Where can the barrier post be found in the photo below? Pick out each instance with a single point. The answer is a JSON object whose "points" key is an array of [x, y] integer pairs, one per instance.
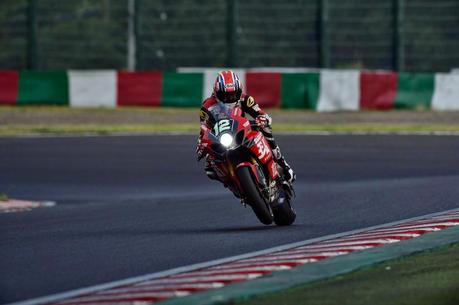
{"points": [[324, 47], [32, 52], [231, 30], [399, 29], [132, 36]]}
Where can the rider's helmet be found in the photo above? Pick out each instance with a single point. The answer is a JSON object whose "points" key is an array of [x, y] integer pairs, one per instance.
{"points": [[228, 87]]}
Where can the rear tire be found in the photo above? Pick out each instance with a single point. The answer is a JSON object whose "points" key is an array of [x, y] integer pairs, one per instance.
{"points": [[253, 196], [284, 214]]}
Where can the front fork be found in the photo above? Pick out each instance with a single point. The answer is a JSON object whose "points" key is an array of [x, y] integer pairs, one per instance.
{"points": [[266, 185], [265, 179]]}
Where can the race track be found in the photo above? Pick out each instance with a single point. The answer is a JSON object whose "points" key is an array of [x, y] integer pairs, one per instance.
{"points": [[128, 206]]}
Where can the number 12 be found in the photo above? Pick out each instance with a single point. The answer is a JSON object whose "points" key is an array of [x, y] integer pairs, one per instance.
{"points": [[221, 126]]}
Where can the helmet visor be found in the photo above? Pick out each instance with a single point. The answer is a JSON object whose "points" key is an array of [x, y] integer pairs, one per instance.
{"points": [[230, 97]]}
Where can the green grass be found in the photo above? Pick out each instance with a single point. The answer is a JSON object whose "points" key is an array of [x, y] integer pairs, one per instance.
{"points": [[62, 129], [42, 120], [101, 129], [365, 127], [3, 197], [428, 278]]}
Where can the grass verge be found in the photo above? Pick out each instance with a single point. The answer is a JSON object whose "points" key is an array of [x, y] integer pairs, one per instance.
{"points": [[43, 120], [104, 129], [3, 197], [431, 277], [101, 129]]}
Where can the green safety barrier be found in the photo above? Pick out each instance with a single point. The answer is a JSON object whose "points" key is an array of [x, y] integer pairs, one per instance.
{"points": [[414, 90], [182, 89], [300, 90], [49, 87]]}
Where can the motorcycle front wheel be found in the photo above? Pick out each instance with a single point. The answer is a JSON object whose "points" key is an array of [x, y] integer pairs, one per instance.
{"points": [[253, 197]]}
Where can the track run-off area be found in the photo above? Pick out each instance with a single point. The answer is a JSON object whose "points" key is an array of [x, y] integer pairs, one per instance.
{"points": [[127, 206]]}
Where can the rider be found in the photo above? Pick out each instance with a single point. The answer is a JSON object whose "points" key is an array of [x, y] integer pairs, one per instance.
{"points": [[228, 89]]}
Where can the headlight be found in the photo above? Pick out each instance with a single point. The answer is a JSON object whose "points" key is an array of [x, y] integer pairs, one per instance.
{"points": [[226, 140]]}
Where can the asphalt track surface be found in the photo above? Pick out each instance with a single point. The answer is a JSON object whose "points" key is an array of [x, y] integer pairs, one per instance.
{"points": [[128, 206]]}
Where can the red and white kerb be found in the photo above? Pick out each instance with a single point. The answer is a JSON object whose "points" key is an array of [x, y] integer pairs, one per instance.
{"points": [[214, 277]]}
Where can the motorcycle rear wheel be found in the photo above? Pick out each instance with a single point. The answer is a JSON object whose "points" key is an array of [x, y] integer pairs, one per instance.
{"points": [[284, 214], [254, 198]]}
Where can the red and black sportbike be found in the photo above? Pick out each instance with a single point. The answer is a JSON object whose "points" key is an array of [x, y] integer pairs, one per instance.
{"points": [[243, 161]]}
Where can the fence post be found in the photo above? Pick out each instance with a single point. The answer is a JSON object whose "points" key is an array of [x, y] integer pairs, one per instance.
{"points": [[232, 59], [32, 51], [132, 37], [324, 46], [138, 34], [399, 39]]}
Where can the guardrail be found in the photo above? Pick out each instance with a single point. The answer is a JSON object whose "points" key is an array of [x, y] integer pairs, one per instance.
{"points": [[318, 90]]}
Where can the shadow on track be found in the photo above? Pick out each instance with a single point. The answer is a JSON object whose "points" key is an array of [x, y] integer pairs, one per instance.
{"points": [[235, 230]]}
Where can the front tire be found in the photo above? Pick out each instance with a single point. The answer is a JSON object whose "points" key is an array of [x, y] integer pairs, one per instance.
{"points": [[253, 196]]}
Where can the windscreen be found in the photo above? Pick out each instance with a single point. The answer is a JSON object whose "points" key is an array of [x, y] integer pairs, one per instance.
{"points": [[219, 111]]}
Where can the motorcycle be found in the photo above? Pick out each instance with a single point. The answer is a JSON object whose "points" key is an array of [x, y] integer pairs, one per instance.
{"points": [[243, 161]]}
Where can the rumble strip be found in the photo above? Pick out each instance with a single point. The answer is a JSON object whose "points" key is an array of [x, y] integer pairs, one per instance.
{"points": [[182, 283], [13, 205]]}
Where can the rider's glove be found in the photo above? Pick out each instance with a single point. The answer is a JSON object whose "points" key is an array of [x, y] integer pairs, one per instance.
{"points": [[263, 120]]}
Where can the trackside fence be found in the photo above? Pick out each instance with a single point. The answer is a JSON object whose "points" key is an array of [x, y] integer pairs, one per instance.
{"points": [[398, 35]]}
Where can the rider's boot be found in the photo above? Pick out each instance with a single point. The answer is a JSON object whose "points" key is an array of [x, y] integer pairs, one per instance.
{"points": [[289, 174]]}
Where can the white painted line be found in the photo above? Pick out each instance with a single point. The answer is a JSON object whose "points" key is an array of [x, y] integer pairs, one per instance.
{"points": [[394, 235], [434, 220], [244, 264], [210, 278], [152, 293], [384, 234], [296, 259], [408, 229], [219, 276], [249, 269], [282, 257], [159, 288], [151, 285], [447, 216], [119, 297], [334, 248], [152, 277], [320, 253], [245, 270], [431, 224], [362, 241]]}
